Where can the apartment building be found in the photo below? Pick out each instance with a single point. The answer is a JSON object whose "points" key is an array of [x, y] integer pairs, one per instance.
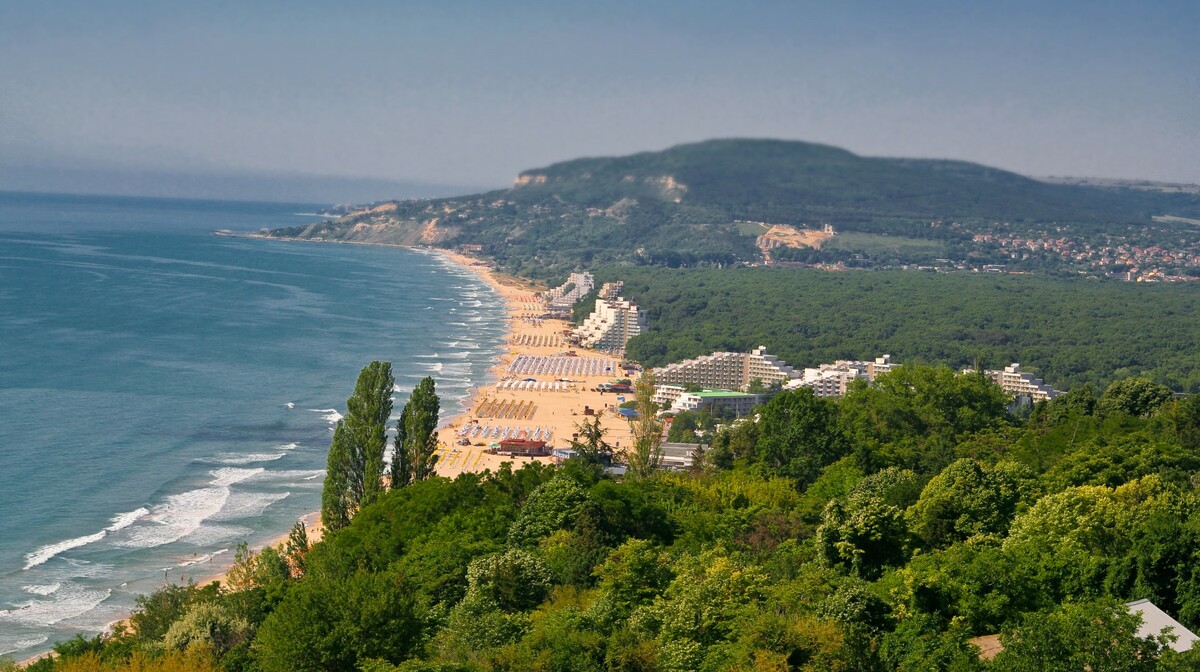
{"points": [[611, 325], [831, 380], [566, 295], [1020, 383], [727, 370], [739, 404]]}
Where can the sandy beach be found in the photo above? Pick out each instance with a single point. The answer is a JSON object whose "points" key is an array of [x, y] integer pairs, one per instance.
{"points": [[522, 399]]}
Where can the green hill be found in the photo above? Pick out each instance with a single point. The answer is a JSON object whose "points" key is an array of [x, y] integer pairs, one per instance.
{"points": [[680, 206]]}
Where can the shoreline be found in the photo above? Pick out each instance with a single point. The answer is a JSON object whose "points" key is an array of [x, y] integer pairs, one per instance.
{"points": [[526, 334]]}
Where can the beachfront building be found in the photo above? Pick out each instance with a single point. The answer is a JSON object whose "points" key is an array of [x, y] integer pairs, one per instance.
{"points": [[718, 402], [727, 370], [611, 325], [1020, 383], [565, 296], [611, 290], [831, 380]]}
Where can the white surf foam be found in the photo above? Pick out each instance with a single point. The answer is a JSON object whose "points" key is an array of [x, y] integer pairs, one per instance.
{"points": [[330, 414], [291, 404], [124, 520], [48, 551], [248, 504], [435, 366], [227, 476], [246, 458], [288, 446], [42, 589], [68, 602], [22, 644], [45, 553], [183, 514]]}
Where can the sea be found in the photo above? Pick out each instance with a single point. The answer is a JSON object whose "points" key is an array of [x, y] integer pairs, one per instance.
{"points": [[166, 394]]}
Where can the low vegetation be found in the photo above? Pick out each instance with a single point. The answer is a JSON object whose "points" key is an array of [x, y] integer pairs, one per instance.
{"points": [[881, 531]]}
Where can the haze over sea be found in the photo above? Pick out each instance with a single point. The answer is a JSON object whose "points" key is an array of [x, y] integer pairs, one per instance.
{"points": [[166, 394]]}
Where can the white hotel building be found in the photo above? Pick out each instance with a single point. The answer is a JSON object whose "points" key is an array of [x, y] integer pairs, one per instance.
{"points": [[727, 370]]}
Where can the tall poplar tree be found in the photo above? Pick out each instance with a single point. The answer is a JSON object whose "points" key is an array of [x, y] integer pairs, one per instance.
{"points": [[414, 453], [354, 476], [645, 457]]}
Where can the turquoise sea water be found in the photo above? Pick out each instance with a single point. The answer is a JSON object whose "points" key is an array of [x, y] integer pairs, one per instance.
{"points": [[166, 394]]}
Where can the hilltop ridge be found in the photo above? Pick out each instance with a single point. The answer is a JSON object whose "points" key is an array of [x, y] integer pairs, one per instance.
{"points": [[689, 205]]}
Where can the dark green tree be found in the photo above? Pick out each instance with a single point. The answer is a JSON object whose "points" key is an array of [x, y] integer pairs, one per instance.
{"points": [[798, 436], [354, 476], [1138, 397], [414, 453]]}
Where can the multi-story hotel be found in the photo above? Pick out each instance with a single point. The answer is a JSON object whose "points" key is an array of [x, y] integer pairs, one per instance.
{"points": [[1019, 383], [738, 404], [611, 325], [566, 295], [727, 370], [830, 380]]}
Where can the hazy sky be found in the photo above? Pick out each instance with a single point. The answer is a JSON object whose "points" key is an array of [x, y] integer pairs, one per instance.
{"points": [[473, 92]]}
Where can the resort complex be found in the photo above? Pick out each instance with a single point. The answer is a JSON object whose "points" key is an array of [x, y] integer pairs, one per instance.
{"points": [[611, 325], [719, 402], [830, 380], [1019, 383], [727, 370], [564, 297]]}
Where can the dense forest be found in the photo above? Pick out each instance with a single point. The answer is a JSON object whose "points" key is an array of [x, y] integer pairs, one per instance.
{"points": [[881, 531], [683, 207], [1070, 331]]}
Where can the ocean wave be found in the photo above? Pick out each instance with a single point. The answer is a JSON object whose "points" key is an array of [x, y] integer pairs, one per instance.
{"points": [[42, 589], [245, 458], [435, 366], [68, 602], [248, 504], [22, 644], [48, 551], [183, 514], [330, 414], [45, 553], [288, 446], [433, 356], [227, 476]]}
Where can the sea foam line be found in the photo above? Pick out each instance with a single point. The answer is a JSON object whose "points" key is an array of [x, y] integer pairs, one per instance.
{"points": [[119, 522]]}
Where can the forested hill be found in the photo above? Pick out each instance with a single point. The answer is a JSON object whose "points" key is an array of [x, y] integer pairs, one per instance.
{"points": [[688, 205]]}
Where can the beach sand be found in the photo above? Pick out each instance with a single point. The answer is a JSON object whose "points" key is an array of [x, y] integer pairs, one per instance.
{"points": [[560, 411]]}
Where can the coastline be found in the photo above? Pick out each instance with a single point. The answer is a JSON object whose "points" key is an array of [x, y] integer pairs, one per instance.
{"points": [[526, 334]]}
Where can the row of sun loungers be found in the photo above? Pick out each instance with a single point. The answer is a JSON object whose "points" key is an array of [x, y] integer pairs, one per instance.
{"points": [[559, 365], [499, 433], [538, 340], [506, 408], [534, 386]]}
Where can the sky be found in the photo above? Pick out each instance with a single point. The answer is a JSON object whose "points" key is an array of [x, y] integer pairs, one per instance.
{"points": [[471, 93]]}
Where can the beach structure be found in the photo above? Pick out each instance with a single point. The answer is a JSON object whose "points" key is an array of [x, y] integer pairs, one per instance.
{"points": [[727, 370], [831, 380], [738, 404], [1020, 383], [611, 325], [565, 296], [562, 365]]}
